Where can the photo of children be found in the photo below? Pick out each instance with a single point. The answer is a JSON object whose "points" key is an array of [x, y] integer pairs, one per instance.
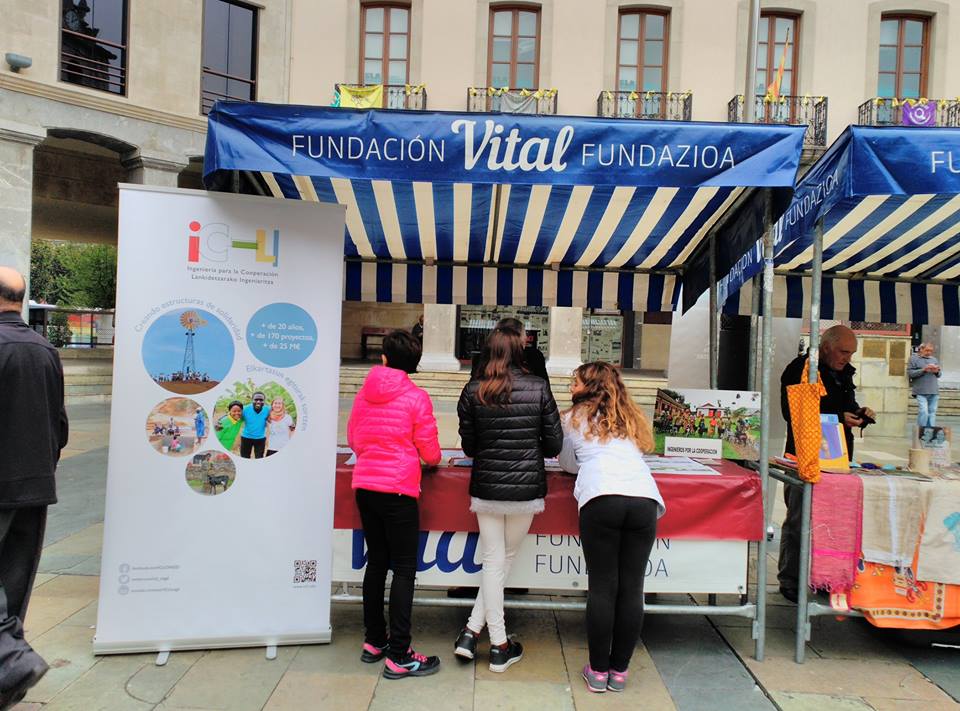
{"points": [[729, 416], [255, 421], [210, 472], [187, 351], [177, 427], [937, 440]]}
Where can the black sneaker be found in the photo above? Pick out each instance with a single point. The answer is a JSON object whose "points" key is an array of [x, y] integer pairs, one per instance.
{"points": [[466, 645], [411, 664], [502, 658]]}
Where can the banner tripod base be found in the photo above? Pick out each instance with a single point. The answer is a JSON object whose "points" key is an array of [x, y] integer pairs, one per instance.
{"points": [[162, 658], [271, 651]]}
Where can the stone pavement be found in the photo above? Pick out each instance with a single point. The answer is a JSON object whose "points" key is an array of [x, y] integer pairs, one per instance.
{"points": [[685, 662]]}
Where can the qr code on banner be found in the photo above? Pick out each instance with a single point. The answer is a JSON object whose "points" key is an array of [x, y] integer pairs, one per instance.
{"points": [[304, 571]]}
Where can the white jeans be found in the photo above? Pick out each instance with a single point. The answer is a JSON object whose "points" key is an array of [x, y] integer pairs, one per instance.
{"points": [[500, 538]]}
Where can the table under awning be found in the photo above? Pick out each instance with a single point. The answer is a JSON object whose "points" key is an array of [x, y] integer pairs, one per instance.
{"points": [[889, 199], [510, 209]]}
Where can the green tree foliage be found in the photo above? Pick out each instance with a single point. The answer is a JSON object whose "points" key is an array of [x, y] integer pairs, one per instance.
{"points": [[58, 331], [78, 275], [243, 391]]}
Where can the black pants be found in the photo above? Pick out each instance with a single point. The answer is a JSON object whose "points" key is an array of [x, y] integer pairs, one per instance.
{"points": [[21, 540], [617, 533], [255, 445], [391, 528], [789, 563]]}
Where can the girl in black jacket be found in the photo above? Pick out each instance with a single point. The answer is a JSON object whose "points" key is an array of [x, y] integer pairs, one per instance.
{"points": [[508, 424]]}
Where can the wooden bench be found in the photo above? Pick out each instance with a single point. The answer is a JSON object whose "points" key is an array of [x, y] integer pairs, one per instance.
{"points": [[368, 332]]}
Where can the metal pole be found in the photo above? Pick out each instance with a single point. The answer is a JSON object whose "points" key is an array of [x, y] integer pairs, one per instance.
{"points": [[749, 86], [766, 360], [755, 291], [803, 612], [714, 317]]}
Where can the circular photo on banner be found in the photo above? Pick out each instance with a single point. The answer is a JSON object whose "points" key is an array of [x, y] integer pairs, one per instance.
{"points": [[210, 472], [255, 421], [281, 335], [187, 351], [178, 426]]}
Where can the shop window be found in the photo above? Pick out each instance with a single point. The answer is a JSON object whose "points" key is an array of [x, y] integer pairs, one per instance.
{"points": [[903, 56], [642, 51], [513, 54], [385, 45], [602, 337], [93, 44], [476, 322], [229, 53]]}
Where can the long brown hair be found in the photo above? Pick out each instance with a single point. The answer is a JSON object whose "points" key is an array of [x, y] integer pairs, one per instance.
{"points": [[504, 350], [607, 408]]}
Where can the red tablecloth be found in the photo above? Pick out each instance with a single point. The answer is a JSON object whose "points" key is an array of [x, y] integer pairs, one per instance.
{"points": [[725, 507]]}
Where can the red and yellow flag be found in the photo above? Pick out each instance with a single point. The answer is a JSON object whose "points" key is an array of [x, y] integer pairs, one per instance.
{"points": [[773, 91]]}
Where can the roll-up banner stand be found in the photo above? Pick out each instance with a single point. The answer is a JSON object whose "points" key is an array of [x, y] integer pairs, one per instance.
{"points": [[219, 511]]}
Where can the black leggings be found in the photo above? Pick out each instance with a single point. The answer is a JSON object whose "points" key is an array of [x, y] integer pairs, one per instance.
{"points": [[391, 528], [617, 533]]}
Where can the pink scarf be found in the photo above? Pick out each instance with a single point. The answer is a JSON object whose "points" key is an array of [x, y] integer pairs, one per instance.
{"points": [[835, 531]]}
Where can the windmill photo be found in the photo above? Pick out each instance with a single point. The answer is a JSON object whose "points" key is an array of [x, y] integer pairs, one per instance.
{"points": [[191, 321]]}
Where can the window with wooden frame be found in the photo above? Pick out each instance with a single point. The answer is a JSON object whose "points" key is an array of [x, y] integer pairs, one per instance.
{"points": [[513, 54], [229, 53], [777, 40], [385, 44], [903, 56], [93, 44], [642, 50]]}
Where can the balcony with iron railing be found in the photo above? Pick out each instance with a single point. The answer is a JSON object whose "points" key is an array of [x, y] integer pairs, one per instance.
{"points": [[809, 111], [513, 101], [218, 86], [880, 111], [653, 105], [92, 62], [395, 96]]}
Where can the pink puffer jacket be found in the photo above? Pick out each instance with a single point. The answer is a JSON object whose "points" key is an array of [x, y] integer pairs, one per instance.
{"points": [[391, 428]]}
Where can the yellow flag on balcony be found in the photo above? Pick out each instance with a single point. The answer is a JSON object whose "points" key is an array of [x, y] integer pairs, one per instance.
{"points": [[773, 90], [361, 97]]}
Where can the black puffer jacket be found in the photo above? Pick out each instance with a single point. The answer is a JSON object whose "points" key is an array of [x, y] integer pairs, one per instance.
{"points": [[508, 442]]}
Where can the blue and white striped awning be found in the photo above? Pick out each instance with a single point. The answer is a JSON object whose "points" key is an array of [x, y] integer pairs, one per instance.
{"points": [[608, 216], [889, 199]]}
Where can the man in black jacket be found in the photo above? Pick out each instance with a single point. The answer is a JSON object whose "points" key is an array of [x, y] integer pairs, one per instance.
{"points": [[837, 346], [33, 430]]}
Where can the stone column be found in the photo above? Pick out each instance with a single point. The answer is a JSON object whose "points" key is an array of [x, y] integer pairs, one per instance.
{"points": [[439, 338], [153, 170], [566, 339], [16, 195]]}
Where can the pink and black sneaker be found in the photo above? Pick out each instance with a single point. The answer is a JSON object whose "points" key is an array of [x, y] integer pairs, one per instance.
{"points": [[596, 681], [371, 653], [411, 664], [617, 680]]}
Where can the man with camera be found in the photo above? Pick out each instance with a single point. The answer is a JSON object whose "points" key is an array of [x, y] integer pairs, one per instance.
{"points": [[837, 346]]}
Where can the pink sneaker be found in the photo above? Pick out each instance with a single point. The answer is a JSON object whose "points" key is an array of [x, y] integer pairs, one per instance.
{"points": [[596, 681], [617, 680], [372, 653]]}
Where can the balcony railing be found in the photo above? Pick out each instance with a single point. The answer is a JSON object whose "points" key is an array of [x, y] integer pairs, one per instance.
{"points": [[889, 112], [655, 105], [809, 111], [231, 87], [92, 62], [513, 101], [398, 96]]}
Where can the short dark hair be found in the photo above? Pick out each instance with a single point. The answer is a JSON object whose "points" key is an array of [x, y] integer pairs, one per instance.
{"points": [[514, 324], [11, 295], [402, 350], [235, 403]]}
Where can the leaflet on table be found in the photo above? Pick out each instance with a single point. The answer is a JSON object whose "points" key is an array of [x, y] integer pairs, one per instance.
{"points": [[677, 465]]}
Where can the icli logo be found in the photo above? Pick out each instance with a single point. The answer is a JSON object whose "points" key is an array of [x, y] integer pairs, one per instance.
{"points": [[212, 242]]}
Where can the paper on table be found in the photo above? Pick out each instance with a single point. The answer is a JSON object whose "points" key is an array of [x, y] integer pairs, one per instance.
{"points": [[677, 465]]}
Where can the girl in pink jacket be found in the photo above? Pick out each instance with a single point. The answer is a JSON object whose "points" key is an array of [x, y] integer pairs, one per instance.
{"points": [[391, 428]]}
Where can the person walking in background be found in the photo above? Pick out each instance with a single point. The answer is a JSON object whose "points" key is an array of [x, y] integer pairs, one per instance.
{"points": [[391, 428], [253, 438], [508, 423], [605, 436], [33, 433], [280, 426], [923, 370]]}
